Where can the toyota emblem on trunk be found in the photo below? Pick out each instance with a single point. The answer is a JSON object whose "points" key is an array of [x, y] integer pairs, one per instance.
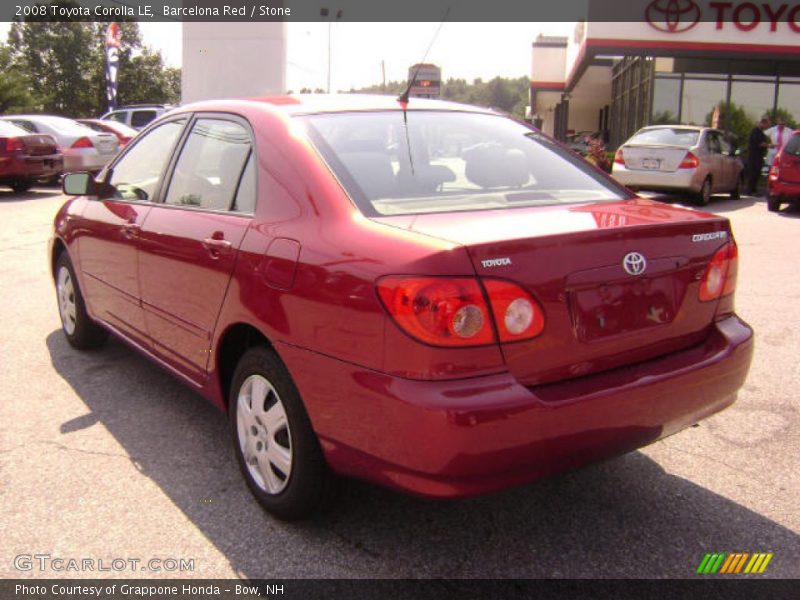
{"points": [[634, 263]]}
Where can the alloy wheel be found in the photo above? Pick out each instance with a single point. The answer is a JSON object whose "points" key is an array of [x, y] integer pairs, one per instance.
{"points": [[264, 436], [66, 300]]}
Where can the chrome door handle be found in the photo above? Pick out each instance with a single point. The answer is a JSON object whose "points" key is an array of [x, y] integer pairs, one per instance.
{"points": [[216, 246], [130, 230]]}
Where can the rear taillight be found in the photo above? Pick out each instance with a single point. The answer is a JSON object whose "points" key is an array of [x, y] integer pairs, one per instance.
{"points": [[719, 278], [774, 172], [516, 314], [619, 158], [690, 161], [452, 311], [82, 142], [14, 145]]}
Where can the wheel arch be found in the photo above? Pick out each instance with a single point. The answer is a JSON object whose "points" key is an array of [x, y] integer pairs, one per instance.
{"points": [[237, 339], [57, 249]]}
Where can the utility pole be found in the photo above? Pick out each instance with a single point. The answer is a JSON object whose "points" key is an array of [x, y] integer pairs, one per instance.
{"points": [[325, 12], [383, 72]]}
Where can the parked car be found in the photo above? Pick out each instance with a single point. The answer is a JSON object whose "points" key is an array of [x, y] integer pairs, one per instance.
{"points": [[684, 158], [26, 158], [136, 116], [364, 296], [124, 133], [83, 149], [783, 181]]}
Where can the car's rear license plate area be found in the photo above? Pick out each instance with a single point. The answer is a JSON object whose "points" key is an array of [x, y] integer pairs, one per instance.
{"points": [[616, 308]]}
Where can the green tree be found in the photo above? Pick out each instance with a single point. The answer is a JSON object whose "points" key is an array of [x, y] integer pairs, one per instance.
{"points": [[14, 94], [63, 66], [784, 114]]}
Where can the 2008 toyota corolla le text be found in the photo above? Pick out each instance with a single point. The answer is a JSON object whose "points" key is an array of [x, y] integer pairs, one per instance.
{"points": [[429, 296]]}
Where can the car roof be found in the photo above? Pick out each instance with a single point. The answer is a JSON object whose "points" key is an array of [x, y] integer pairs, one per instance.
{"points": [[332, 103], [678, 126]]}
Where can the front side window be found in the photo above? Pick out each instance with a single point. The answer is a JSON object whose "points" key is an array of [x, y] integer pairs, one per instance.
{"points": [[210, 166], [138, 172], [119, 117], [437, 161]]}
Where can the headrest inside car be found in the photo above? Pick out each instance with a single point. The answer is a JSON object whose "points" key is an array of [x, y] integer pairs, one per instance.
{"points": [[492, 165]]}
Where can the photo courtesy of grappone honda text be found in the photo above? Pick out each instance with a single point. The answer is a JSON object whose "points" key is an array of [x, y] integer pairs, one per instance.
{"points": [[433, 297]]}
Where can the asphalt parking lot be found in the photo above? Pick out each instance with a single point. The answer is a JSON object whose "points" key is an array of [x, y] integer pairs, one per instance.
{"points": [[103, 456]]}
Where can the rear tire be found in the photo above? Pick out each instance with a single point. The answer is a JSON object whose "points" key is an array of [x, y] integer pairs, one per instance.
{"points": [[736, 192], [704, 196], [276, 448], [773, 203], [20, 187], [80, 330]]}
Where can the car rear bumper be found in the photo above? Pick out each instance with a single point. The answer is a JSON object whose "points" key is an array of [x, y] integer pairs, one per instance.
{"points": [[470, 436], [89, 160], [682, 179], [15, 168], [787, 191]]}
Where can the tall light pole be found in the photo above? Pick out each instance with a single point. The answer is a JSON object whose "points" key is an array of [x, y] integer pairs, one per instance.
{"points": [[325, 13]]}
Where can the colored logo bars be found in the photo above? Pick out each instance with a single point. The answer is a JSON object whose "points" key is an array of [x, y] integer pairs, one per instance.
{"points": [[112, 64], [734, 563]]}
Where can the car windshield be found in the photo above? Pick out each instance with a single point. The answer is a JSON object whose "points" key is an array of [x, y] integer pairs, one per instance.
{"points": [[393, 163], [9, 129], [674, 136]]}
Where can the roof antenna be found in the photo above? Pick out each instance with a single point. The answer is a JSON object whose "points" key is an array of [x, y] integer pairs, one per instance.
{"points": [[403, 98]]}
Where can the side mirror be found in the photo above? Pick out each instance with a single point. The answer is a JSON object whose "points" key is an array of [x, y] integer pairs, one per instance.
{"points": [[83, 184], [77, 184]]}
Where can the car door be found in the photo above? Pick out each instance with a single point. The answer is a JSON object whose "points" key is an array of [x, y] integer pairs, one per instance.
{"points": [[717, 163], [108, 242], [189, 242]]}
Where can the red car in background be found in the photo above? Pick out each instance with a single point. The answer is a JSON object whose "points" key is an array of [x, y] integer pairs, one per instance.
{"points": [[26, 158], [430, 296], [783, 181], [124, 133]]}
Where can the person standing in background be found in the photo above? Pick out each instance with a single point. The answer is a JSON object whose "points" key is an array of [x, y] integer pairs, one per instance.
{"points": [[757, 146], [779, 135]]}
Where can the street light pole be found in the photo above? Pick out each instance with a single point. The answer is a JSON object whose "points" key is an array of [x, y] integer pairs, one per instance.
{"points": [[325, 12]]}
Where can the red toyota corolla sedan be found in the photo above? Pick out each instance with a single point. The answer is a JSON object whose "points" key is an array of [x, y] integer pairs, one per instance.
{"points": [[429, 296]]}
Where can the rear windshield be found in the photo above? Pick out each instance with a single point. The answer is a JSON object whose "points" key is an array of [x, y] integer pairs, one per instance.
{"points": [[793, 145], [9, 129], [64, 126], [668, 135], [434, 161]]}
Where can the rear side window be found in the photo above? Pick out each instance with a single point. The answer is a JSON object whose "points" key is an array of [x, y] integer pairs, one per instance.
{"points": [[793, 145], [26, 125], [447, 161], [138, 172], [140, 118], [210, 166]]}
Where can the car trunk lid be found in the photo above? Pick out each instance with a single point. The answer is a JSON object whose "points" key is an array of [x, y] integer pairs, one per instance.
{"points": [[789, 163], [654, 157], [40, 145], [597, 314], [106, 143]]}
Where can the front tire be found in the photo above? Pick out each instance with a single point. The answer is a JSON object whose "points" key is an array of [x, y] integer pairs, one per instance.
{"points": [[79, 329], [704, 196], [773, 203], [276, 448]]}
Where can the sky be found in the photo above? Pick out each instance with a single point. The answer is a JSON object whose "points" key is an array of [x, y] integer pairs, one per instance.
{"points": [[464, 50]]}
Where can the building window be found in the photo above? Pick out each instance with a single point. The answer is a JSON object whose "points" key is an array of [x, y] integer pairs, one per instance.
{"points": [[666, 101], [789, 99], [700, 96], [755, 97]]}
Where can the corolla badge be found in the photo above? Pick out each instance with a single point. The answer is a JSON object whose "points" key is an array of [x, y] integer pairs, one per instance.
{"points": [[634, 263]]}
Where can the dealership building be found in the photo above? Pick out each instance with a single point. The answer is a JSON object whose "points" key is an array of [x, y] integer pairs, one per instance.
{"points": [[675, 65]]}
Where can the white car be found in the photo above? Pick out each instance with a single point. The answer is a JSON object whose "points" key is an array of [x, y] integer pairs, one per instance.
{"points": [[84, 149], [684, 158]]}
